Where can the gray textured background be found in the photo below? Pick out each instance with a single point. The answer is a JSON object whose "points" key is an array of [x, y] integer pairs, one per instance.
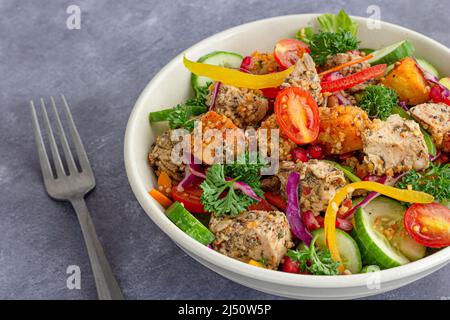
{"points": [[102, 68]]}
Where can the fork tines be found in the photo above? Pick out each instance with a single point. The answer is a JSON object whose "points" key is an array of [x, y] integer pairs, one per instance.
{"points": [[60, 171]]}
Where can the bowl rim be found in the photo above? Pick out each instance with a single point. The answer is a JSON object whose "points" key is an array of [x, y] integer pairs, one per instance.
{"points": [[149, 205]]}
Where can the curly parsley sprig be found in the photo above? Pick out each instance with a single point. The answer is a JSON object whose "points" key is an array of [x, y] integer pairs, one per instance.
{"points": [[314, 260], [378, 101], [435, 181], [326, 44]]}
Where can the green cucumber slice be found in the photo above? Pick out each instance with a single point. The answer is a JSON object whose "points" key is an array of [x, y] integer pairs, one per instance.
{"points": [[348, 249], [380, 214], [371, 268], [184, 220], [392, 53], [216, 58], [431, 146], [427, 67], [162, 115], [445, 82], [350, 175]]}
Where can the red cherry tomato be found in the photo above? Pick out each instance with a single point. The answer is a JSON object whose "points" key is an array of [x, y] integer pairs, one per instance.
{"points": [[276, 200], [310, 221], [270, 93], [354, 79], [288, 51], [290, 266], [299, 154], [190, 197], [297, 115], [428, 224], [315, 151]]}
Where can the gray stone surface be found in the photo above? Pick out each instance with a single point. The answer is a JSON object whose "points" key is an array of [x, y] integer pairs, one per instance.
{"points": [[101, 69]]}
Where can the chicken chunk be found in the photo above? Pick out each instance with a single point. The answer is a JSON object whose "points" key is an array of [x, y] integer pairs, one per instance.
{"points": [[305, 76], [253, 235], [160, 159], [435, 118], [284, 144], [393, 146], [245, 107], [319, 183]]}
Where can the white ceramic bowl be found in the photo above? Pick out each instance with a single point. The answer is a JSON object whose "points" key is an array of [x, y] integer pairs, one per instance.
{"points": [[171, 86]]}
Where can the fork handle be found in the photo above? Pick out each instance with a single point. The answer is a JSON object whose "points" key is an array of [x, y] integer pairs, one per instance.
{"points": [[106, 283]]}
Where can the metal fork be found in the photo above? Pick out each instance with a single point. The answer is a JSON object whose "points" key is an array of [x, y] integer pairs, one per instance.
{"points": [[73, 186]]}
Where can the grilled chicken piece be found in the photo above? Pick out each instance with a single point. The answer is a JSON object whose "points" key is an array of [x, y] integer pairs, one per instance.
{"points": [[393, 146], [245, 107], [319, 183], [256, 235], [435, 118], [159, 157], [305, 76]]}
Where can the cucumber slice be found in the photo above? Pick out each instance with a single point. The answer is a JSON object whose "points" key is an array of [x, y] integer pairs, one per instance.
{"points": [[216, 58], [427, 67], [184, 220], [371, 268], [445, 82], [379, 215], [348, 249], [392, 53], [349, 174]]}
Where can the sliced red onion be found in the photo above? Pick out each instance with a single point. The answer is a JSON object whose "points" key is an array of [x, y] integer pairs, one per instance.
{"points": [[188, 179], [332, 76], [372, 195], [443, 91], [293, 213], [246, 189], [197, 170], [434, 158], [214, 96], [342, 99], [344, 224], [403, 105]]}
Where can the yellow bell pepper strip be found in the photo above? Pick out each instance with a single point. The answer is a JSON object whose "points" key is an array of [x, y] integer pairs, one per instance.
{"points": [[235, 77], [256, 264], [333, 207]]}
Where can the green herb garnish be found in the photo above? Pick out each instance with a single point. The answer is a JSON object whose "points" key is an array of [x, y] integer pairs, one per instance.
{"points": [[325, 44], [314, 260], [378, 101], [219, 195], [435, 181]]}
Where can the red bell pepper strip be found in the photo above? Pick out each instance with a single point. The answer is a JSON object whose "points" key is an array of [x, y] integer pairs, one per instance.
{"points": [[354, 79]]}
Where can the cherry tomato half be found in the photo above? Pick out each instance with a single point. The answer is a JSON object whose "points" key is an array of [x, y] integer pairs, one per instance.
{"points": [[190, 197], [288, 51], [297, 115], [428, 224]]}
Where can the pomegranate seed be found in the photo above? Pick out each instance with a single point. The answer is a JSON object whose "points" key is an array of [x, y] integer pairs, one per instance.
{"points": [[299, 154], [290, 266], [309, 220], [315, 151], [443, 159]]}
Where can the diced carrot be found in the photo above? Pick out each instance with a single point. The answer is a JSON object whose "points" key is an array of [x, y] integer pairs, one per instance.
{"points": [[161, 198], [164, 183]]}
